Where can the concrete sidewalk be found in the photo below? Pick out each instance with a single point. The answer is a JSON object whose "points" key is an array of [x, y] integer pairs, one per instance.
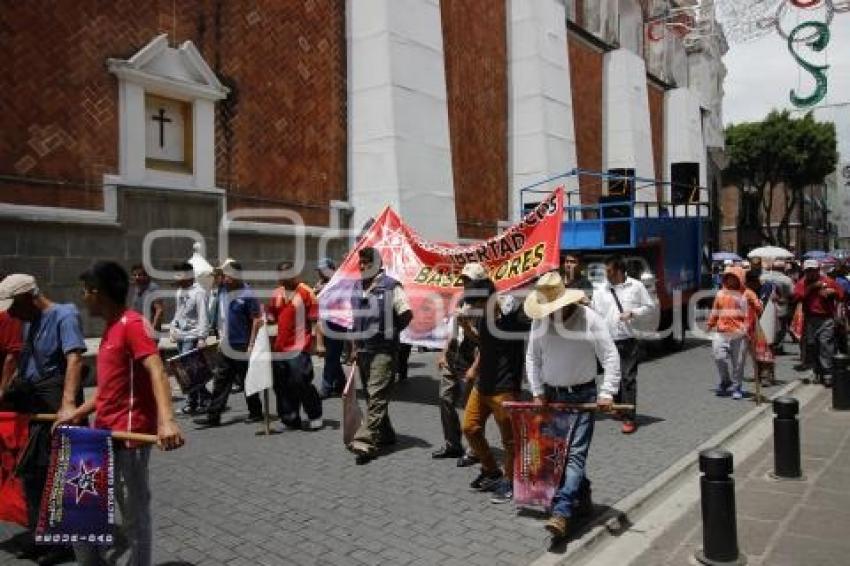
{"points": [[782, 523]]}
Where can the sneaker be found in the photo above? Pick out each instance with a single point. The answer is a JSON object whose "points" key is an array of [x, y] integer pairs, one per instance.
{"points": [[188, 409], [504, 493], [722, 390], [250, 419], [467, 460], [446, 452], [737, 395], [486, 481], [292, 424], [209, 421], [315, 424], [364, 458]]}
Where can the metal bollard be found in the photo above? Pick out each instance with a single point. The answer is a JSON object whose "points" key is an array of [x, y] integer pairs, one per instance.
{"points": [[786, 439], [719, 523], [841, 382]]}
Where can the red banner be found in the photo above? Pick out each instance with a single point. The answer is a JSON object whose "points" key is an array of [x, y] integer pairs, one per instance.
{"points": [[430, 271], [14, 433], [542, 440]]}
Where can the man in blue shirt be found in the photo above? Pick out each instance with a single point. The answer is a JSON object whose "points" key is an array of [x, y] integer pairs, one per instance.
{"points": [[240, 319], [48, 381]]}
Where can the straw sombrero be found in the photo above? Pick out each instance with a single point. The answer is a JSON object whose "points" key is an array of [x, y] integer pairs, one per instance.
{"points": [[549, 295]]}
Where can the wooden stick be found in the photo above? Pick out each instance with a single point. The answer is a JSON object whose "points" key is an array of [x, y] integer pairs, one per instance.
{"points": [[617, 408], [267, 419], [116, 434]]}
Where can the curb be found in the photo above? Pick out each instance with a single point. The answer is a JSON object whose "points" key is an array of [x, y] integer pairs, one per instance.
{"points": [[617, 520]]}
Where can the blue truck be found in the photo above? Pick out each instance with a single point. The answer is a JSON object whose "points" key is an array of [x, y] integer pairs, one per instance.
{"points": [[664, 245]]}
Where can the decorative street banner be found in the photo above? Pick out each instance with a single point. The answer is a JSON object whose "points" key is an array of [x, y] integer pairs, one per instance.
{"points": [[14, 433], [78, 501], [542, 440], [430, 271]]}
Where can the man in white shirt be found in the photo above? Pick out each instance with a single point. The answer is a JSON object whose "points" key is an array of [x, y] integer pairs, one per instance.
{"points": [[190, 327], [620, 302], [566, 340]]}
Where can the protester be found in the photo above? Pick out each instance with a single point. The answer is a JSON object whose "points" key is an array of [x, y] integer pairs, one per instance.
{"points": [[573, 274], [293, 307], [11, 342], [143, 297], [819, 295], [330, 341], [453, 363], [621, 302], [783, 289], [240, 318], [48, 381], [213, 302], [565, 341], [497, 373], [189, 328], [728, 321], [763, 357], [133, 395], [839, 274], [381, 311]]}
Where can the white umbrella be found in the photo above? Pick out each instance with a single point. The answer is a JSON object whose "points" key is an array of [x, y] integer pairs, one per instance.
{"points": [[770, 252]]}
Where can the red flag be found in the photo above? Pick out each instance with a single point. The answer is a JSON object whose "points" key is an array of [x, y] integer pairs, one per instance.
{"points": [[14, 433]]}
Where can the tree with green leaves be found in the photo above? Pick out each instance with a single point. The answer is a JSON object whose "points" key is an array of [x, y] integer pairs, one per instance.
{"points": [[780, 153]]}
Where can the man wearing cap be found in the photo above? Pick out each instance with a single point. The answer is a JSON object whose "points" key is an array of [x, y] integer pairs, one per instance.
{"points": [[454, 362], [189, 327], [240, 318], [565, 341], [11, 334], [381, 311], [620, 302], [48, 381], [819, 295]]}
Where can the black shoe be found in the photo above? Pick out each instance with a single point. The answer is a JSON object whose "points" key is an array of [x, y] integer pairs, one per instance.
{"points": [[486, 481], [60, 555], [189, 410], [802, 367], [32, 552], [827, 381], [446, 452], [251, 419], [364, 458], [209, 421], [292, 425], [467, 460], [237, 389]]}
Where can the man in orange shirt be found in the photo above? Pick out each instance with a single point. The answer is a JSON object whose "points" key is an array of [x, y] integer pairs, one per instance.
{"points": [[730, 318], [293, 306]]}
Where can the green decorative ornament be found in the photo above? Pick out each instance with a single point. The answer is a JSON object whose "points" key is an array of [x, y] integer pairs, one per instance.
{"points": [[817, 40]]}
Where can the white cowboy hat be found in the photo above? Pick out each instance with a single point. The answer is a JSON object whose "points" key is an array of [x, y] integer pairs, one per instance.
{"points": [[549, 295]]}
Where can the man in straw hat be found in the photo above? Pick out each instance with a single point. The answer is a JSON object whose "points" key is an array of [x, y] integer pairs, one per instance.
{"points": [[566, 340]]}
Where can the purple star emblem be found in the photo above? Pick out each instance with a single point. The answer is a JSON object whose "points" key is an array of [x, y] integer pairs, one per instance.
{"points": [[84, 482]]}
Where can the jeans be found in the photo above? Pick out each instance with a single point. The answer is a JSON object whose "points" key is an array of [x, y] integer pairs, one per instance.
{"points": [[333, 376], [201, 395], [629, 351], [574, 483], [234, 371], [478, 409], [133, 532], [293, 388], [730, 352], [820, 343], [376, 373], [454, 392]]}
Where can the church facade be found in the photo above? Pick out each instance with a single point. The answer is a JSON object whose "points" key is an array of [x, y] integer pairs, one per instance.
{"points": [[271, 130]]}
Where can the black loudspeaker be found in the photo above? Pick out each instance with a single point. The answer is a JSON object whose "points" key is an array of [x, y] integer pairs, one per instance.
{"points": [[685, 179], [622, 188], [618, 233]]}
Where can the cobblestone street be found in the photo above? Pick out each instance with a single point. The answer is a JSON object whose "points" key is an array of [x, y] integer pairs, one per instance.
{"points": [[231, 497]]}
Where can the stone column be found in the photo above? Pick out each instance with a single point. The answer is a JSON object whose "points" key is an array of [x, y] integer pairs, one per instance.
{"points": [[399, 148]]}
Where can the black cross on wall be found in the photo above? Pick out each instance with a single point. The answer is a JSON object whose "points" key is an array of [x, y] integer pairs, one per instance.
{"points": [[162, 120]]}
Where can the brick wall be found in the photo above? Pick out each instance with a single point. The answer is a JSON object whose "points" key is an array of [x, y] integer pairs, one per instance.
{"points": [[280, 136], [656, 123], [586, 76], [475, 46]]}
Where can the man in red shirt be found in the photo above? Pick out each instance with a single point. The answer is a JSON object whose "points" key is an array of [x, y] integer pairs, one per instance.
{"points": [[133, 395], [819, 295], [293, 306], [11, 342]]}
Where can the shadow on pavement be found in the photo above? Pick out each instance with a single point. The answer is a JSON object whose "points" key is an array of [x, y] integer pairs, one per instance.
{"points": [[12, 545]]}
